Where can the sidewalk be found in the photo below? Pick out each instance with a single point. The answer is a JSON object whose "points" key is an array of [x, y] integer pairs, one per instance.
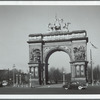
{"points": [[51, 86], [38, 86]]}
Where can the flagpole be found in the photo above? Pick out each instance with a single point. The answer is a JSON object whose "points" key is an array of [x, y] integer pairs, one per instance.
{"points": [[91, 61], [91, 66]]}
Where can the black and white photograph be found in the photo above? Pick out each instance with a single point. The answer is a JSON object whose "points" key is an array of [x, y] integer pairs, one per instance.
{"points": [[50, 49]]}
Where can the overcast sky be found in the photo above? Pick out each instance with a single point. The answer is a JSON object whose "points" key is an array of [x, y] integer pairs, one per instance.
{"points": [[17, 22]]}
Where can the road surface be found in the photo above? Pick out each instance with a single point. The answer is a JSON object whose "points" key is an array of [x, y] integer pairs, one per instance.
{"points": [[48, 90]]}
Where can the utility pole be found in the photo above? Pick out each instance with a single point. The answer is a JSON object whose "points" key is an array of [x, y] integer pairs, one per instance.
{"points": [[91, 66]]}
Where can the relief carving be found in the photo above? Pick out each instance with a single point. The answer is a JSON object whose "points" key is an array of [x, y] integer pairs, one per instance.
{"points": [[46, 49], [66, 48], [35, 55], [79, 53]]}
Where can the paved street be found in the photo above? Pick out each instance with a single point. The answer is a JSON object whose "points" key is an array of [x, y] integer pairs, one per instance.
{"points": [[48, 89]]}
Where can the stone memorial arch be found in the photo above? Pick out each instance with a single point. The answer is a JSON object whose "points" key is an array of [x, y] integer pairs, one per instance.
{"points": [[42, 45]]}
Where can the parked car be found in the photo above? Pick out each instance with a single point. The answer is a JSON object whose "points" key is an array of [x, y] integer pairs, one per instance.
{"points": [[75, 85], [4, 83]]}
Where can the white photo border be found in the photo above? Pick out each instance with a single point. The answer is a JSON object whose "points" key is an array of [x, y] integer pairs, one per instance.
{"points": [[54, 3]]}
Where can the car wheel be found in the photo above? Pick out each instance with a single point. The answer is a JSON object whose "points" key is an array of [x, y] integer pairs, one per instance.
{"points": [[79, 88]]}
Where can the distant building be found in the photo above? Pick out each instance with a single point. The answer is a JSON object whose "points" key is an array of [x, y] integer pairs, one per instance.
{"points": [[4, 74]]}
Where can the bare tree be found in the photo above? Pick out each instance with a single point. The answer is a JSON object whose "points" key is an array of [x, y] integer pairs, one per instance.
{"points": [[55, 75]]}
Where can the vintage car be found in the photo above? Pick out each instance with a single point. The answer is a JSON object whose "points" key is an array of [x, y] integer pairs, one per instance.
{"points": [[75, 85], [4, 83]]}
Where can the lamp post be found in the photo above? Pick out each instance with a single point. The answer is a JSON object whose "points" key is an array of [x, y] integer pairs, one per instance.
{"points": [[87, 78], [63, 77], [30, 80], [20, 79], [16, 79], [8, 76], [13, 75]]}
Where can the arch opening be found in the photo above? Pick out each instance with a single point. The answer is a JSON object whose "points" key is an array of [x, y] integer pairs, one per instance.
{"points": [[57, 66]]}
